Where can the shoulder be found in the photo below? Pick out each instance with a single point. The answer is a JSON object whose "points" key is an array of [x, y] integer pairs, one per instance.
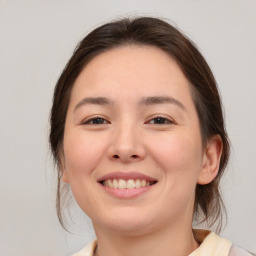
{"points": [[214, 245], [210, 244], [237, 251], [88, 250]]}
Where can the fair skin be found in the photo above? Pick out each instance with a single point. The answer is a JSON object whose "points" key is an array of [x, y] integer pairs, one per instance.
{"points": [[131, 117]]}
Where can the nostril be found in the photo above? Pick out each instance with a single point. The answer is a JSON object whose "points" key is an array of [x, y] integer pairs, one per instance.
{"points": [[132, 156]]}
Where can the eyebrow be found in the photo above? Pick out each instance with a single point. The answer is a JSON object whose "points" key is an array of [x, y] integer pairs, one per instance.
{"points": [[91, 100], [161, 100], [154, 100]]}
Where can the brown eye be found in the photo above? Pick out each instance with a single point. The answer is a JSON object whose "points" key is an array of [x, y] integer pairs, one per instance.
{"points": [[97, 120], [160, 120]]}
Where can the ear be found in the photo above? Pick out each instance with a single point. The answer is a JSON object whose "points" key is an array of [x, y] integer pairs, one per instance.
{"points": [[64, 176], [62, 167], [211, 160]]}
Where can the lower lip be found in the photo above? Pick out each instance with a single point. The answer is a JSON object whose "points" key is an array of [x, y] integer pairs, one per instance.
{"points": [[126, 193]]}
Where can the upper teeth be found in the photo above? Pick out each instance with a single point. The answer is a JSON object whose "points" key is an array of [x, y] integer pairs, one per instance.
{"points": [[124, 184]]}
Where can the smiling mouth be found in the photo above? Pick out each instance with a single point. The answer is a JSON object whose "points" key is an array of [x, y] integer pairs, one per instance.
{"points": [[127, 184]]}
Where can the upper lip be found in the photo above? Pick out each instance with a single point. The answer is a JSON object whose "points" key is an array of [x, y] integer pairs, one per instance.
{"points": [[125, 176]]}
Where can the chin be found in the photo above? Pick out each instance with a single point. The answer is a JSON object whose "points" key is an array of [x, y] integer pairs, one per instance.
{"points": [[128, 223]]}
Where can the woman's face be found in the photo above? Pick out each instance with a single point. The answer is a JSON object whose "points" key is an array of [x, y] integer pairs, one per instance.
{"points": [[132, 123]]}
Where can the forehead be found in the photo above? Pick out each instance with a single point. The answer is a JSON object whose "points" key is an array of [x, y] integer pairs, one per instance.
{"points": [[132, 71]]}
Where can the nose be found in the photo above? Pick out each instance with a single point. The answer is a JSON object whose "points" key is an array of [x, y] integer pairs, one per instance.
{"points": [[127, 145]]}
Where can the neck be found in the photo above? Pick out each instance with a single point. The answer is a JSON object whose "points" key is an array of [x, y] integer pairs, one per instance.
{"points": [[176, 241]]}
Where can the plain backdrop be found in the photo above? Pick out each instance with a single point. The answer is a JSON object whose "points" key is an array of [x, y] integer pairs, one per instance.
{"points": [[36, 40]]}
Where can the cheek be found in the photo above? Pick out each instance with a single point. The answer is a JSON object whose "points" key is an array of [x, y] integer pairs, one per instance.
{"points": [[178, 155], [82, 153]]}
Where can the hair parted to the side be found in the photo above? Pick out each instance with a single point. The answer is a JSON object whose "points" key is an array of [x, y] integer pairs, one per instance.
{"points": [[155, 32]]}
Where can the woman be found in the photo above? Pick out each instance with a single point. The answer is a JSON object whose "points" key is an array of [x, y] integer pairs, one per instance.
{"points": [[138, 135]]}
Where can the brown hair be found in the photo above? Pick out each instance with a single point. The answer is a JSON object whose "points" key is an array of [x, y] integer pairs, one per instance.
{"points": [[154, 32]]}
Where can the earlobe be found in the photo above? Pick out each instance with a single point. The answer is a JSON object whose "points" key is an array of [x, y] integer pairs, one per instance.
{"points": [[211, 160], [62, 168], [64, 176]]}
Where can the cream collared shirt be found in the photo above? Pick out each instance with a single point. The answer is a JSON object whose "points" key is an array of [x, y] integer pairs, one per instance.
{"points": [[210, 245]]}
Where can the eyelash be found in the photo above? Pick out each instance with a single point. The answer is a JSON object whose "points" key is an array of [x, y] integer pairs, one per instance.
{"points": [[161, 118], [163, 121], [88, 122]]}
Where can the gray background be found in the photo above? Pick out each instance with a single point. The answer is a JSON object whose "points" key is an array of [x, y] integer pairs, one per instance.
{"points": [[36, 40]]}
